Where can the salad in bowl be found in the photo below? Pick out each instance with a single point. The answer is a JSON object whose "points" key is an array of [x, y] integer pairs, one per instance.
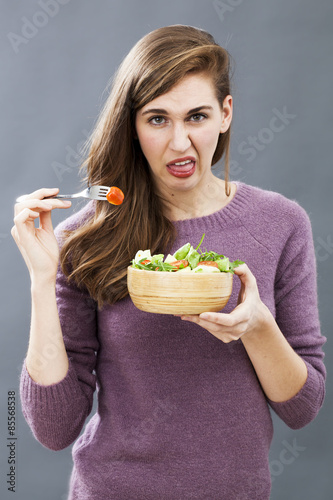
{"points": [[190, 281], [185, 259]]}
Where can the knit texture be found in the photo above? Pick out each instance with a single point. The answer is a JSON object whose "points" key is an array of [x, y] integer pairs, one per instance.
{"points": [[181, 415]]}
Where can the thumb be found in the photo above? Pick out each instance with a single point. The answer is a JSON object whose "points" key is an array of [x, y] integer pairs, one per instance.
{"points": [[247, 279]]}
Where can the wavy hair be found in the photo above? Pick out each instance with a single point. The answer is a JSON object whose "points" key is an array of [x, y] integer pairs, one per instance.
{"points": [[97, 253]]}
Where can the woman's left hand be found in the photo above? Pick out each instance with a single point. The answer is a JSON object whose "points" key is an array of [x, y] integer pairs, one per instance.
{"points": [[250, 316]]}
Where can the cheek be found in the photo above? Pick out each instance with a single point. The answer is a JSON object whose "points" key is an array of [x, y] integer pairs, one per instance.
{"points": [[207, 140], [150, 144]]}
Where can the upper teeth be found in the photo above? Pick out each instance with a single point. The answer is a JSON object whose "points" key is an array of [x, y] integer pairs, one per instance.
{"points": [[183, 162]]}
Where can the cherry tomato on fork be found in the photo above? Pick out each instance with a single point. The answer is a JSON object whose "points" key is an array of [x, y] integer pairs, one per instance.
{"points": [[115, 196]]}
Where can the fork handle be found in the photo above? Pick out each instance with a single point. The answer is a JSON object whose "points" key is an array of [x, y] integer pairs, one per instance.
{"points": [[65, 196], [59, 196]]}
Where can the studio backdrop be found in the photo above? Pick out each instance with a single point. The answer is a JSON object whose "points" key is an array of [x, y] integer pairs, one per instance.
{"points": [[57, 58]]}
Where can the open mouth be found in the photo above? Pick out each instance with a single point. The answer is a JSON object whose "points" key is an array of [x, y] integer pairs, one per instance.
{"points": [[184, 167]]}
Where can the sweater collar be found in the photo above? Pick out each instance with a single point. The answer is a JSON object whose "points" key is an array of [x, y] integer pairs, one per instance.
{"points": [[231, 212]]}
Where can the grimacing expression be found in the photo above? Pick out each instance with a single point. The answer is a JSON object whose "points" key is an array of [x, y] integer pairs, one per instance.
{"points": [[179, 131]]}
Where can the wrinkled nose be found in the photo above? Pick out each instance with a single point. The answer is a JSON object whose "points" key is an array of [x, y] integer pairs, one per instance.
{"points": [[179, 138]]}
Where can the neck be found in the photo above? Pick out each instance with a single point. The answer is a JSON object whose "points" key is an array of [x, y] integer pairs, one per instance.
{"points": [[211, 197]]}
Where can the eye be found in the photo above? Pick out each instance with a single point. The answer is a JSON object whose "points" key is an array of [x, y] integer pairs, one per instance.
{"points": [[157, 120], [198, 117]]}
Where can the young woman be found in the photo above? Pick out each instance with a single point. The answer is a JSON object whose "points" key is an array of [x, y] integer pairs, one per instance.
{"points": [[183, 402]]}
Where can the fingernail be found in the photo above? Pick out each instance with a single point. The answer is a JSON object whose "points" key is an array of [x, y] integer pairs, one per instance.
{"points": [[204, 316], [67, 203]]}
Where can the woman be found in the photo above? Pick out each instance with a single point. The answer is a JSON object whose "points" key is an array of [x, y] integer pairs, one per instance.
{"points": [[183, 403]]}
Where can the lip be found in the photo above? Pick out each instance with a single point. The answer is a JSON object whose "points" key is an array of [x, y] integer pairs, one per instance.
{"points": [[178, 160], [182, 171]]}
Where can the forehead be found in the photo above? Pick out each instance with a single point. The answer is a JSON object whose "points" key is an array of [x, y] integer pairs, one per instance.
{"points": [[191, 92]]}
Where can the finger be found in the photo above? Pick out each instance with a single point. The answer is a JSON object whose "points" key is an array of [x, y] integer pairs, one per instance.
{"points": [[241, 294], [16, 237], [41, 205], [14, 234], [217, 321], [208, 319], [39, 194], [223, 319], [45, 221], [231, 320], [234, 331], [25, 217], [224, 333], [45, 218], [226, 339], [207, 325], [194, 318]]}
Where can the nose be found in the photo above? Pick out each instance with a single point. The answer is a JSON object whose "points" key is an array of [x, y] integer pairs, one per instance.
{"points": [[179, 138]]}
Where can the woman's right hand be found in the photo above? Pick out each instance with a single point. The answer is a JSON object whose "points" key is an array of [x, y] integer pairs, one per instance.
{"points": [[38, 245]]}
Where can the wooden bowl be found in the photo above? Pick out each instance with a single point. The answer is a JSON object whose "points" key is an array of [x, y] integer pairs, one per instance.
{"points": [[177, 292]]}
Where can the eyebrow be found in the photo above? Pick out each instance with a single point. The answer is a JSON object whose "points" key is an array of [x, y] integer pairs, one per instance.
{"points": [[159, 111]]}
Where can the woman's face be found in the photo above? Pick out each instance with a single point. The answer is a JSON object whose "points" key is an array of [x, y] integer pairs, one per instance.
{"points": [[178, 133]]}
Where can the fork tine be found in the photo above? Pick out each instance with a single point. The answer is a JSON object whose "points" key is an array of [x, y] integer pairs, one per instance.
{"points": [[103, 190], [98, 192]]}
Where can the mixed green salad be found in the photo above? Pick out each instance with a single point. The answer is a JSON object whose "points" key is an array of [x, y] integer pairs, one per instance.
{"points": [[185, 259]]}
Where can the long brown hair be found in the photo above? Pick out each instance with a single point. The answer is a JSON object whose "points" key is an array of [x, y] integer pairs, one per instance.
{"points": [[97, 253]]}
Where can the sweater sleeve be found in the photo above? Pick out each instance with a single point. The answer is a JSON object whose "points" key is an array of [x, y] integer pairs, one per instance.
{"points": [[56, 413], [297, 317]]}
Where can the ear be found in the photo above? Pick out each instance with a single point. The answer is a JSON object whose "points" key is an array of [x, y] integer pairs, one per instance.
{"points": [[226, 114]]}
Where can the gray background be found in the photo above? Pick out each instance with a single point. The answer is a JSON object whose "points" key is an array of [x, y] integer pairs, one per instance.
{"points": [[52, 89]]}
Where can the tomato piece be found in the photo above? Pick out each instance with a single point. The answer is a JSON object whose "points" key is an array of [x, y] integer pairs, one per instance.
{"points": [[115, 196], [147, 261], [208, 263], [177, 263]]}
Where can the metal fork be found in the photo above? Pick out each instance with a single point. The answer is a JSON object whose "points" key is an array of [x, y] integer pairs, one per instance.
{"points": [[93, 192]]}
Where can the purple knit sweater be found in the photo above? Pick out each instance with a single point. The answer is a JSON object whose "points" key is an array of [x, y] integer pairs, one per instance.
{"points": [[181, 415]]}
